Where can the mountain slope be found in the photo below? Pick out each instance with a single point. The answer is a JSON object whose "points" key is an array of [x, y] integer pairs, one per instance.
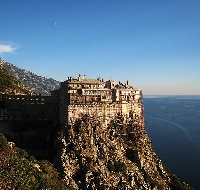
{"points": [[34, 82], [18, 170], [10, 85]]}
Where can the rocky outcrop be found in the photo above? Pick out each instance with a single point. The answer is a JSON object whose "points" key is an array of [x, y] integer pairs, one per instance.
{"points": [[118, 155]]}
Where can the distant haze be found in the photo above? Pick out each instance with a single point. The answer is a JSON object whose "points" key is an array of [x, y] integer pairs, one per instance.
{"points": [[173, 89]]}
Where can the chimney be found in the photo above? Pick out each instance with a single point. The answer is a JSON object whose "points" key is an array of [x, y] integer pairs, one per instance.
{"points": [[127, 82]]}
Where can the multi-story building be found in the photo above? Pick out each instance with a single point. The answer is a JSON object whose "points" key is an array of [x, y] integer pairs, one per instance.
{"points": [[97, 98]]}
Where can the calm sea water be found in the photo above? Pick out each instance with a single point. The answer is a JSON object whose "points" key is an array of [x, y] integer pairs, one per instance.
{"points": [[173, 125]]}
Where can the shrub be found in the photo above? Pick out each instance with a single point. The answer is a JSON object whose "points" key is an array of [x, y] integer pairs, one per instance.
{"points": [[3, 142], [120, 166], [22, 153], [117, 166]]}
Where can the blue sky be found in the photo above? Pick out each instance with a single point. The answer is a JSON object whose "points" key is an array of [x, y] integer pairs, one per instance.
{"points": [[153, 44]]}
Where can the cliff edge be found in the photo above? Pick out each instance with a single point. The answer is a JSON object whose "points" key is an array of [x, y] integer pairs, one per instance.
{"points": [[117, 155]]}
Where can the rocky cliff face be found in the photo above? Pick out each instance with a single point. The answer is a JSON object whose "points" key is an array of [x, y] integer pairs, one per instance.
{"points": [[118, 155]]}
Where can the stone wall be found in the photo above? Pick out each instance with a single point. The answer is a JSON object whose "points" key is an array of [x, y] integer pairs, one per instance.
{"points": [[32, 107], [105, 112]]}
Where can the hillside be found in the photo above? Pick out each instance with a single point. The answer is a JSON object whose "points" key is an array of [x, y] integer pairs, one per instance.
{"points": [[18, 170], [37, 84], [10, 85]]}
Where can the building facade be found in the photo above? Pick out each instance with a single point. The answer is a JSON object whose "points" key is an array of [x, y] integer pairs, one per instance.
{"points": [[96, 98]]}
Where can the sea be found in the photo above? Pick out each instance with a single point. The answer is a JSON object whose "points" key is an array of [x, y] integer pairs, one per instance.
{"points": [[173, 125]]}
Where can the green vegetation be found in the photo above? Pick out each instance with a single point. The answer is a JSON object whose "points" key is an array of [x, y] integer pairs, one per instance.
{"points": [[176, 183], [10, 85], [117, 166], [18, 170], [3, 142]]}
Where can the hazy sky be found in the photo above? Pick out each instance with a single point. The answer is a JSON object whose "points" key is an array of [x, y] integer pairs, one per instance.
{"points": [[153, 44]]}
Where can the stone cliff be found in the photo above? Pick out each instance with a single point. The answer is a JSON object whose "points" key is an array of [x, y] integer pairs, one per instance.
{"points": [[117, 155]]}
